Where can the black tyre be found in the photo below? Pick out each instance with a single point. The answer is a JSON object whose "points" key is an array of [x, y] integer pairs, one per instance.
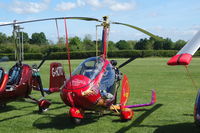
{"points": [[41, 110], [76, 121]]}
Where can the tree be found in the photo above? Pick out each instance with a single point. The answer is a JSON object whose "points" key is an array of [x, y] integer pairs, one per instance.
{"points": [[3, 38], [39, 39], [112, 46], [179, 44], [75, 44], [61, 41], [132, 43], [158, 45], [168, 44], [144, 44], [123, 45], [25, 37], [88, 43]]}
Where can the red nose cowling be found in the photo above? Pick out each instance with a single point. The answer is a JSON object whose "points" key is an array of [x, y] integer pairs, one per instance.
{"points": [[81, 92]]}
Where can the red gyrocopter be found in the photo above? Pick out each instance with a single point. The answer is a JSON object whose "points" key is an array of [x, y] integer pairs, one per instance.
{"points": [[94, 83], [21, 78]]}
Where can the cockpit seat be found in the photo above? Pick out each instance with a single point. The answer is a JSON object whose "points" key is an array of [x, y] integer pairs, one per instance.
{"points": [[88, 73], [14, 74]]}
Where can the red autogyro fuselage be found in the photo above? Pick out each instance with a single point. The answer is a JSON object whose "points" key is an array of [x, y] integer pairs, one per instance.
{"points": [[9, 90], [93, 80]]}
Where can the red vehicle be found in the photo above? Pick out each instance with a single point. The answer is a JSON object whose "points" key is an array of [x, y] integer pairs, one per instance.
{"points": [[18, 83], [94, 83], [21, 79]]}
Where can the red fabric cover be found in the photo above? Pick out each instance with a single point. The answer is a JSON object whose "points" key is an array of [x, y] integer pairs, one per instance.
{"points": [[180, 59], [126, 113]]}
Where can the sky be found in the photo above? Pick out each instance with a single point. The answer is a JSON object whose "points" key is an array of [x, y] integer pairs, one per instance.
{"points": [[175, 19]]}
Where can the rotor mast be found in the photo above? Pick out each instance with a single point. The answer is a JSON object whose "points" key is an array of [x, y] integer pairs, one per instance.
{"points": [[106, 26], [18, 41]]}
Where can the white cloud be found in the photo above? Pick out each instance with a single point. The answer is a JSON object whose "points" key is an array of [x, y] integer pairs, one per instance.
{"points": [[122, 6], [22, 7], [94, 3], [65, 6], [80, 3], [113, 5]]}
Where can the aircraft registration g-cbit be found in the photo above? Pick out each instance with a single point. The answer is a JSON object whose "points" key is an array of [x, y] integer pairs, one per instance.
{"points": [[94, 83]]}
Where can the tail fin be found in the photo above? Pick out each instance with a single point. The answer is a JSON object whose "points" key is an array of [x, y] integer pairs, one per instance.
{"points": [[125, 113], [57, 77]]}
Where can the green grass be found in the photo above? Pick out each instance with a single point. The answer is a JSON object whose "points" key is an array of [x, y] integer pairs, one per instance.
{"points": [[173, 112]]}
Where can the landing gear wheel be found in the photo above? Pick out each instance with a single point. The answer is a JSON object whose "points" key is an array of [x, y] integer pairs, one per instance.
{"points": [[41, 110], [76, 121], [43, 105]]}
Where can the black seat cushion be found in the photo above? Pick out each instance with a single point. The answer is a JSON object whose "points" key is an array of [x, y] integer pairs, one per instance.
{"points": [[14, 74]]}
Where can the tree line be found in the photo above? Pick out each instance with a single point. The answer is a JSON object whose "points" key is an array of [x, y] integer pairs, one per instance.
{"points": [[38, 43]]}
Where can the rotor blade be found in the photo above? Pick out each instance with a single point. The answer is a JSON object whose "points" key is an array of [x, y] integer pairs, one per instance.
{"points": [[43, 60], [128, 61], [139, 29], [46, 19]]}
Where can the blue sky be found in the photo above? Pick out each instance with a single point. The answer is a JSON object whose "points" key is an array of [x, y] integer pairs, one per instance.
{"points": [[175, 19]]}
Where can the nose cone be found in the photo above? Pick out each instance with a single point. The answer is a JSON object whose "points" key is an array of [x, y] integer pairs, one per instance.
{"points": [[78, 81]]}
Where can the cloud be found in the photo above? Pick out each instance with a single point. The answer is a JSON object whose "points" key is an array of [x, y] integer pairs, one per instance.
{"points": [[22, 7], [176, 33], [113, 5], [122, 6], [80, 3], [94, 3], [65, 6]]}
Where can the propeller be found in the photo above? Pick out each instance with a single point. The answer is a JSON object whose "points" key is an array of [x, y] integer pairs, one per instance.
{"points": [[43, 60], [128, 61], [37, 74]]}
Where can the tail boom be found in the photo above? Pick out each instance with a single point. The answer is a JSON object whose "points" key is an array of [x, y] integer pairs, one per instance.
{"points": [[153, 101]]}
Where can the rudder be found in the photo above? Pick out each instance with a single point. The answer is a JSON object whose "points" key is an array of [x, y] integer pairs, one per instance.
{"points": [[57, 77]]}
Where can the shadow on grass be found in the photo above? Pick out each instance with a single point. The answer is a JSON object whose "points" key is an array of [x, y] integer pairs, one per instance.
{"points": [[7, 109], [139, 120], [62, 121], [178, 128], [16, 116]]}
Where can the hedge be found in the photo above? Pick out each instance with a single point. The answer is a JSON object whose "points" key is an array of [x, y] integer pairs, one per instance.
{"points": [[111, 54]]}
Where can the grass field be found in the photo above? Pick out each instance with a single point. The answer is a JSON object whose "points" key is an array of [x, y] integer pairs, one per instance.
{"points": [[173, 112]]}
